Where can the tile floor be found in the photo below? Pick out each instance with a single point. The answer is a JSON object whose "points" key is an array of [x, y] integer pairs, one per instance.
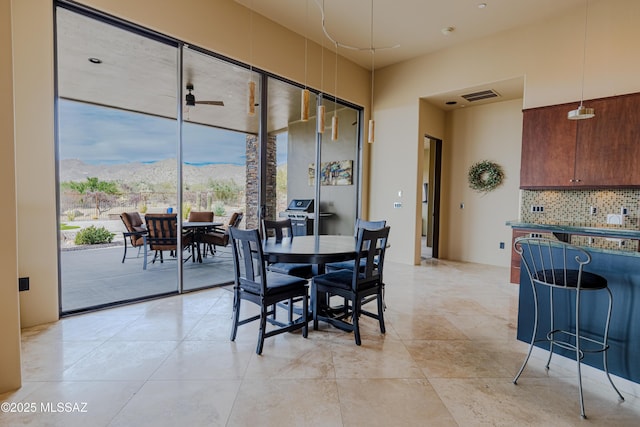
{"points": [[447, 359]]}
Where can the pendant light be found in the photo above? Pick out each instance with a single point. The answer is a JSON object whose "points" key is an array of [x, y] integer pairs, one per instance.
{"points": [[583, 112], [320, 112], [251, 101], [372, 49]]}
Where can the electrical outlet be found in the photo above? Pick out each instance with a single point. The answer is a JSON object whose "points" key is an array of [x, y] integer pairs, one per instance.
{"points": [[501, 245], [23, 284], [537, 208], [624, 211], [593, 210]]}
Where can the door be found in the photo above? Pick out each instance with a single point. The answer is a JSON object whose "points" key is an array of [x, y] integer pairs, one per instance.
{"points": [[432, 207]]}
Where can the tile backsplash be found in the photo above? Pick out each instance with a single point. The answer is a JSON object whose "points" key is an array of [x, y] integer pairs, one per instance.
{"points": [[576, 207]]}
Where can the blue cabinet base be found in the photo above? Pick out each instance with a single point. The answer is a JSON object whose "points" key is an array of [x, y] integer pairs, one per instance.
{"points": [[623, 274]]}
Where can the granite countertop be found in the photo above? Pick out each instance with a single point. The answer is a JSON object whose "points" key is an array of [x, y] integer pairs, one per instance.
{"points": [[604, 230]]}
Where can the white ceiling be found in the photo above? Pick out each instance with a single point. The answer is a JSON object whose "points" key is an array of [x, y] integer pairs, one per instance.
{"points": [[414, 25], [139, 74]]}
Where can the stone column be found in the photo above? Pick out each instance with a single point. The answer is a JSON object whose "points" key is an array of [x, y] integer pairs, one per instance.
{"points": [[253, 175]]}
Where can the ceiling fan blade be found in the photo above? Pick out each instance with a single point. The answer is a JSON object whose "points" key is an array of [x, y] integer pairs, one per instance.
{"points": [[220, 103]]}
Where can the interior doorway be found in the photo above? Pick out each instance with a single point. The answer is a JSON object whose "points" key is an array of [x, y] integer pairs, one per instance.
{"points": [[431, 171]]}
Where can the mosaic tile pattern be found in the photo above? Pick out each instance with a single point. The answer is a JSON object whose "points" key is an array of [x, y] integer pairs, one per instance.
{"points": [[575, 207]]}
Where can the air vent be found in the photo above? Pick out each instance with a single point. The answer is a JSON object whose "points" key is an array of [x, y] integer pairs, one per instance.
{"points": [[483, 94]]}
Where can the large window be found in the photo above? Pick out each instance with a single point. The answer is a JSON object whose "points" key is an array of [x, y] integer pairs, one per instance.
{"points": [[147, 125]]}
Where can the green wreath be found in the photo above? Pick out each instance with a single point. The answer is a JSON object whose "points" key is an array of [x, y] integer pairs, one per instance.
{"points": [[485, 176]]}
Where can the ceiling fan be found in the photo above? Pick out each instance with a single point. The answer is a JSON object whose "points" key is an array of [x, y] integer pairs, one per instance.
{"points": [[190, 98]]}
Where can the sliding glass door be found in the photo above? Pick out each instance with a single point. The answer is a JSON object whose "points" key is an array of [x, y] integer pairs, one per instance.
{"points": [[219, 143], [149, 126], [117, 152], [295, 140]]}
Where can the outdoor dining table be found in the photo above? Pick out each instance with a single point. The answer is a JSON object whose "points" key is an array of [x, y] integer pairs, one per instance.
{"points": [[199, 228]]}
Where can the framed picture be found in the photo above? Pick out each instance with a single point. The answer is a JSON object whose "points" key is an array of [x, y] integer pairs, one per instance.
{"points": [[333, 173]]}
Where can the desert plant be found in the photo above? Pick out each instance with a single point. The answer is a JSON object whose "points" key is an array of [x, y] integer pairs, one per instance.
{"points": [[93, 235], [102, 193], [225, 190], [219, 210], [186, 209]]}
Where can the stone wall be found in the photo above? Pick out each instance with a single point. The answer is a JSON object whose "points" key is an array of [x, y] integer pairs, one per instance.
{"points": [[253, 187]]}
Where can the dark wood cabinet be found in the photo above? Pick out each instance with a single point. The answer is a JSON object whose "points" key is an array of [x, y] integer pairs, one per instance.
{"points": [[548, 147], [592, 153], [608, 147]]}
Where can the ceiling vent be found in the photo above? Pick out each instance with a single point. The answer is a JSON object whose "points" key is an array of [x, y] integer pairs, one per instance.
{"points": [[483, 94]]}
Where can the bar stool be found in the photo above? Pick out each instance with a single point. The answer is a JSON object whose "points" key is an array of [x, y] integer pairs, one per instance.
{"points": [[558, 266]]}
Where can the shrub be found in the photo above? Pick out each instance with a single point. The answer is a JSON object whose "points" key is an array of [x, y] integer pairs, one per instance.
{"points": [[219, 210], [93, 235]]}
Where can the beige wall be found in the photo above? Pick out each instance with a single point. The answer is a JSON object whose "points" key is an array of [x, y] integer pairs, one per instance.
{"points": [[547, 56], [489, 132], [10, 377], [35, 159]]}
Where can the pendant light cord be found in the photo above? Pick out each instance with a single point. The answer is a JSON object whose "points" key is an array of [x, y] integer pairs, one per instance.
{"points": [[373, 56], [584, 49]]}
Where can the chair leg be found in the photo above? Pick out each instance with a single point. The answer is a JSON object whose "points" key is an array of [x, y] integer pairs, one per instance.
{"points": [[533, 336], [606, 345], [236, 315], [578, 353], [263, 329], [290, 310], [356, 302], [305, 316], [381, 313], [314, 305], [125, 249]]}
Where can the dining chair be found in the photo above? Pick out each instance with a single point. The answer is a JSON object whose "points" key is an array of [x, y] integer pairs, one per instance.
{"points": [[198, 233], [558, 269], [360, 223], [280, 230], [136, 233], [353, 285], [163, 235], [254, 283]]}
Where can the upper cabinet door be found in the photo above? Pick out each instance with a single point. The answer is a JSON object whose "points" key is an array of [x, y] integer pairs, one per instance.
{"points": [[548, 148], [601, 152], [608, 147]]}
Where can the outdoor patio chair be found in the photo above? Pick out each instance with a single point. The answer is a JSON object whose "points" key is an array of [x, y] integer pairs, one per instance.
{"points": [[163, 235], [200, 216], [220, 236], [136, 233]]}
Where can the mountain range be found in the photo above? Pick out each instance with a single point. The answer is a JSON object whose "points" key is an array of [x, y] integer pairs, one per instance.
{"points": [[157, 172]]}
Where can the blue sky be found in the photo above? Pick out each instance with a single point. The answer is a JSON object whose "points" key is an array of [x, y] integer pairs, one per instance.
{"points": [[101, 135]]}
